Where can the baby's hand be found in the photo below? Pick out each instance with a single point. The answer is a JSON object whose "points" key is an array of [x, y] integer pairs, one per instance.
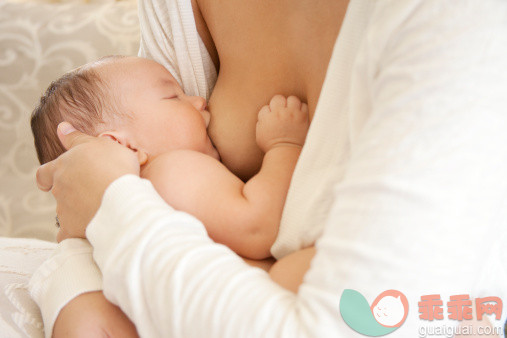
{"points": [[283, 122]]}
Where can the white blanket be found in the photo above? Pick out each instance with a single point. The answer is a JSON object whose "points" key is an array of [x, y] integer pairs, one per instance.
{"points": [[19, 258]]}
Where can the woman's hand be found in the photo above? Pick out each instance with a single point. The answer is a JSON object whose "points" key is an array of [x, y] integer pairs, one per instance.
{"points": [[79, 177]]}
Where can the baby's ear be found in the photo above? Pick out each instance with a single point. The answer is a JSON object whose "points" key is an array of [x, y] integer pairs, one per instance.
{"points": [[122, 139], [115, 136]]}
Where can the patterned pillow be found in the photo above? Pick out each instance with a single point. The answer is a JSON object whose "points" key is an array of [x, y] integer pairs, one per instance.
{"points": [[39, 42]]}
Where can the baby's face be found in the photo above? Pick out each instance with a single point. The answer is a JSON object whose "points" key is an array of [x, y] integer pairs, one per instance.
{"points": [[161, 117]]}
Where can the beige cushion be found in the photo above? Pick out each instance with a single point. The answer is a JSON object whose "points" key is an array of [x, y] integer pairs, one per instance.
{"points": [[38, 43]]}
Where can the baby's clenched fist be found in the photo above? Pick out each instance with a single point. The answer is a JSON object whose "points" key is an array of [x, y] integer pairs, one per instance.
{"points": [[283, 122]]}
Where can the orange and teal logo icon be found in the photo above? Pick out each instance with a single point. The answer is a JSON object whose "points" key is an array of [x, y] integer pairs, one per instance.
{"points": [[385, 315]]}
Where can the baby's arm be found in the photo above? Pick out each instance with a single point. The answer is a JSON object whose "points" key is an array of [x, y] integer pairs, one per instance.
{"points": [[280, 132], [245, 217]]}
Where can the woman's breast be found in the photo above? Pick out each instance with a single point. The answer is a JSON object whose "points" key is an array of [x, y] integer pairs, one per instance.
{"points": [[232, 130], [264, 51], [234, 104]]}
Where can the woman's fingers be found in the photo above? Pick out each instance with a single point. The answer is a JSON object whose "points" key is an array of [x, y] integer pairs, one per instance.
{"points": [[45, 175], [78, 178], [70, 137]]}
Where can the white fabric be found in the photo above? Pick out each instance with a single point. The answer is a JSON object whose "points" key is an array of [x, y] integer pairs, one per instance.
{"points": [[19, 258], [411, 188], [70, 272], [44, 272], [310, 194], [169, 36], [431, 62]]}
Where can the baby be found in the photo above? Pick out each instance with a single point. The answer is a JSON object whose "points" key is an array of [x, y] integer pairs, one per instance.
{"points": [[137, 103]]}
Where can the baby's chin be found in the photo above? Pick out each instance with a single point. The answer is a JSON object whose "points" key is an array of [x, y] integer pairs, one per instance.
{"points": [[213, 152]]}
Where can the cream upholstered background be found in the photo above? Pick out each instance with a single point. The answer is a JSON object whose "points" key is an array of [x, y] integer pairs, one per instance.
{"points": [[39, 41]]}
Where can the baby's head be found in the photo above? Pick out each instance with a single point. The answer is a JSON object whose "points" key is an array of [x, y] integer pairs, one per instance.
{"points": [[131, 100], [79, 97]]}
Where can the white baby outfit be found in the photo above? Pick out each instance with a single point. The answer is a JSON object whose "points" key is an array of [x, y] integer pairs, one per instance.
{"points": [[402, 179]]}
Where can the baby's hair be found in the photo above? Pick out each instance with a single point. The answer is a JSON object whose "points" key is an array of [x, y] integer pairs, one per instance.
{"points": [[80, 97]]}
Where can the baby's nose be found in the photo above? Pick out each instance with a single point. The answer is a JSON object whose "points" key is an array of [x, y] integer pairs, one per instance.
{"points": [[199, 102]]}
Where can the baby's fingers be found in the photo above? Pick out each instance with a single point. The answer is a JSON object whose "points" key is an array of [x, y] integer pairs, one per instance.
{"points": [[263, 112], [293, 102], [277, 102], [304, 108]]}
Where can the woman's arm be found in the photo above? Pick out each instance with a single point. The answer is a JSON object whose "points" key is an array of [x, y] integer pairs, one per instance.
{"points": [[212, 266]]}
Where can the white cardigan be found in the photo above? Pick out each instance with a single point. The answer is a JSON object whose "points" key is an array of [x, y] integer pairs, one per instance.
{"points": [[402, 177]]}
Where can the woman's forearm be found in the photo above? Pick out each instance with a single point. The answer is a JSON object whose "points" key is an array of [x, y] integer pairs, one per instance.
{"points": [[172, 279]]}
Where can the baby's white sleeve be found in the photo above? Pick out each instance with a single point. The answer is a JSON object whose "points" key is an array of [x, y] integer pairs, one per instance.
{"points": [[68, 273]]}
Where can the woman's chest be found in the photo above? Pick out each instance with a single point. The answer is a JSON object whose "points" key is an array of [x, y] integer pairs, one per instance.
{"points": [[265, 48]]}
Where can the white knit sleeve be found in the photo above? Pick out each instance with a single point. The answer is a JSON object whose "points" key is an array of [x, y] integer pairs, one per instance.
{"points": [[69, 273], [172, 280]]}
